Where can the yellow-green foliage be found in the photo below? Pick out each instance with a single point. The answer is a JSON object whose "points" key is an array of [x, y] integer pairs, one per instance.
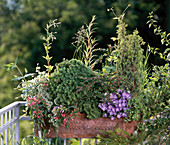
{"points": [[129, 56]]}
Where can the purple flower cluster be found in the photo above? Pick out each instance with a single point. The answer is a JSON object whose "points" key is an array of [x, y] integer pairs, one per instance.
{"points": [[116, 104]]}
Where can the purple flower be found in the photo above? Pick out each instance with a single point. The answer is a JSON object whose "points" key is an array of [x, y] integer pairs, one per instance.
{"points": [[124, 94], [113, 109], [120, 108], [124, 104], [125, 108], [124, 114], [127, 95], [116, 102], [119, 115], [109, 110], [110, 107], [105, 115], [119, 91], [55, 107], [117, 109], [112, 118], [120, 100], [108, 103], [120, 105], [61, 111], [117, 105], [102, 106], [113, 96], [112, 113], [124, 101]]}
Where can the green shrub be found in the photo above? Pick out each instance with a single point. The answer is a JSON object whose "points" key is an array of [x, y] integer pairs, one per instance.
{"points": [[65, 79], [64, 82]]}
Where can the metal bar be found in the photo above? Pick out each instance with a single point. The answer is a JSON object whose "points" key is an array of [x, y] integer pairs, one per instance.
{"points": [[49, 141], [65, 141], [80, 141], [1, 126], [25, 118], [13, 127], [10, 126], [17, 124], [1, 138], [11, 106], [6, 128], [39, 134], [95, 141]]}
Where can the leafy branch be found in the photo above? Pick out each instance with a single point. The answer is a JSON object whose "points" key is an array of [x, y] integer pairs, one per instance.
{"points": [[164, 36], [11, 66]]}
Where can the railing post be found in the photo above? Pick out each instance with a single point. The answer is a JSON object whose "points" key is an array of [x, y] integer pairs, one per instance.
{"points": [[9, 127], [65, 141], [6, 129], [80, 141], [13, 127], [1, 126], [17, 124], [95, 141]]}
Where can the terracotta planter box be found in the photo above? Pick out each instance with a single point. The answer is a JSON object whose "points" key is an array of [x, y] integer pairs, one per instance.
{"points": [[82, 127]]}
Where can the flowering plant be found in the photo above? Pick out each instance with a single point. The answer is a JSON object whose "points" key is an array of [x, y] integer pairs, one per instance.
{"points": [[36, 93], [116, 105]]}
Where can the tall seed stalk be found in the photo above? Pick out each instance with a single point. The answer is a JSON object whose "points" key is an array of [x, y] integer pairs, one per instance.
{"points": [[85, 44]]}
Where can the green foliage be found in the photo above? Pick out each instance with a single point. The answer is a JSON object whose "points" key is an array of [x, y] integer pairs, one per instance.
{"points": [[158, 104], [95, 90], [157, 93], [164, 37], [22, 23], [36, 91], [150, 88], [84, 141], [32, 139], [64, 82], [157, 30], [115, 137], [47, 45], [153, 102], [19, 41], [129, 56]]}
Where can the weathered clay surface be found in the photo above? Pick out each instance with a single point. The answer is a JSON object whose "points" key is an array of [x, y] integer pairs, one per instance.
{"points": [[82, 127]]}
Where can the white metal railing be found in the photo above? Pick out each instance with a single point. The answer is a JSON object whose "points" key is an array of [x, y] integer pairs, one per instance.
{"points": [[9, 124]]}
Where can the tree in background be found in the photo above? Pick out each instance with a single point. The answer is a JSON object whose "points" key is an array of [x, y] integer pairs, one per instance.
{"points": [[22, 23]]}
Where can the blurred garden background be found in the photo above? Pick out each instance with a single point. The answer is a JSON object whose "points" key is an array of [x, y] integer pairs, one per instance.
{"points": [[22, 25]]}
